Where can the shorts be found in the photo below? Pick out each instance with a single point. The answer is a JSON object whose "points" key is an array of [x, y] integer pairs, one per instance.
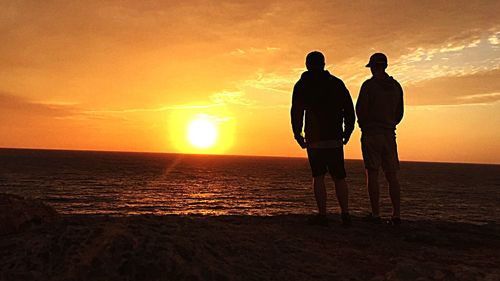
{"points": [[324, 160], [380, 150]]}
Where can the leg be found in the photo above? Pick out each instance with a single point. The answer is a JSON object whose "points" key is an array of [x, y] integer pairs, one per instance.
{"points": [[394, 191], [390, 164], [373, 190], [320, 193], [342, 193], [372, 147]]}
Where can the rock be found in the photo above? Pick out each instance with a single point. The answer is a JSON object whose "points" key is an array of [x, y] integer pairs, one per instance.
{"points": [[406, 269], [18, 213]]}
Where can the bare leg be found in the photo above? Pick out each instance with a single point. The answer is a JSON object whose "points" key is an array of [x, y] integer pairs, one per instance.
{"points": [[320, 193], [342, 193], [394, 191], [373, 191]]}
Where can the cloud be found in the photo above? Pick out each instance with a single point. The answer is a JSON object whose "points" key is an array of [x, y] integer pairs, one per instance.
{"points": [[450, 59], [15, 107], [482, 98], [494, 39], [271, 81], [256, 48], [150, 109], [477, 88], [16, 104], [264, 90], [235, 98], [343, 29], [254, 51]]}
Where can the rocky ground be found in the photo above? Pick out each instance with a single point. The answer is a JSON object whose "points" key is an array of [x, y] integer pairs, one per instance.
{"points": [[85, 247]]}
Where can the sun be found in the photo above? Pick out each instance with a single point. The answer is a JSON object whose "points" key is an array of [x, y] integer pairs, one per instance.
{"points": [[202, 133], [211, 131]]}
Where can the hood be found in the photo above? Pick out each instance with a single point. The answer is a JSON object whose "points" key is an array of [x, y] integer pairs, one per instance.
{"points": [[312, 75], [385, 81]]}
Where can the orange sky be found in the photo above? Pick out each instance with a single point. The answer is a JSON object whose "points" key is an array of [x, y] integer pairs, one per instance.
{"points": [[130, 75]]}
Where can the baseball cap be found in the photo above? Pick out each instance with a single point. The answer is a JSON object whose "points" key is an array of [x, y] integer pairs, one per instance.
{"points": [[377, 58]]}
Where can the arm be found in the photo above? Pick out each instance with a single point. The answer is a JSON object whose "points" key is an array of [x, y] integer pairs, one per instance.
{"points": [[362, 105], [297, 114], [400, 109], [349, 116]]}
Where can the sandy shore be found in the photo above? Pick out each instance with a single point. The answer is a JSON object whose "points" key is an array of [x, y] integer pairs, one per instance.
{"points": [[247, 248]]}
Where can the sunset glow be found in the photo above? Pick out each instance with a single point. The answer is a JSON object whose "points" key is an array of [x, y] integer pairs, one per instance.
{"points": [[133, 75]]}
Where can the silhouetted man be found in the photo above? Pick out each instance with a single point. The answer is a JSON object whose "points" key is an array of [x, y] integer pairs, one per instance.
{"points": [[329, 122], [379, 109]]}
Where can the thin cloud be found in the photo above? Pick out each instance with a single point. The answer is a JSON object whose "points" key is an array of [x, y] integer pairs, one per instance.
{"points": [[481, 98], [14, 105], [452, 59], [441, 106], [481, 87], [18, 104], [153, 109], [271, 81], [494, 39], [254, 51], [235, 98], [133, 29]]}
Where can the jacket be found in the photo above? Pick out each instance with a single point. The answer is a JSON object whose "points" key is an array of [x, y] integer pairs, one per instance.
{"points": [[380, 105], [326, 104]]}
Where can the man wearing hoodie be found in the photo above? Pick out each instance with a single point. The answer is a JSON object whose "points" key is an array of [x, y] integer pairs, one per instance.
{"points": [[329, 121], [379, 109]]}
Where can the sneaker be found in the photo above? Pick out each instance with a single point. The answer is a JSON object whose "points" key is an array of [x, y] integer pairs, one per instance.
{"points": [[321, 220], [395, 221], [372, 219], [346, 219]]}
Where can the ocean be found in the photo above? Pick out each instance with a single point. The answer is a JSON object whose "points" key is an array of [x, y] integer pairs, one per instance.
{"points": [[122, 183]]}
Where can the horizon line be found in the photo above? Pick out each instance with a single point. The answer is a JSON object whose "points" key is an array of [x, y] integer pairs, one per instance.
{"points": [[232, 155]]}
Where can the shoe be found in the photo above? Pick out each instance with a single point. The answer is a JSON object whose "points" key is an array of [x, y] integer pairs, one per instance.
{"points": [[395, 221], [372, 219], [320, 220], [346, 219]]}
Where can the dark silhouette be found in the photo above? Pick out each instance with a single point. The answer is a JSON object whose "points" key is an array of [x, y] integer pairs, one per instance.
{"points": [[379, 109], [327, 106]]}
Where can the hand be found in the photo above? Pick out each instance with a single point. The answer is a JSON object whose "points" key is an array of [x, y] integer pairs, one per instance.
{"points": [[345, 138], [301, 141]]}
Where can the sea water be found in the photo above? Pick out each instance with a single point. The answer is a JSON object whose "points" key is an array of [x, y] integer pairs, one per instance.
{"points": [[120, 183]]}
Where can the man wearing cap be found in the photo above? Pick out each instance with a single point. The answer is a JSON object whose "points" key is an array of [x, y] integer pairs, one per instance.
{"points": [[379, 109], [329, 121]]}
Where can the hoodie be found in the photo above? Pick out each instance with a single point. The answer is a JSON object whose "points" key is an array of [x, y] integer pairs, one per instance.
{"points": [[380, 105], [326, 104]]}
